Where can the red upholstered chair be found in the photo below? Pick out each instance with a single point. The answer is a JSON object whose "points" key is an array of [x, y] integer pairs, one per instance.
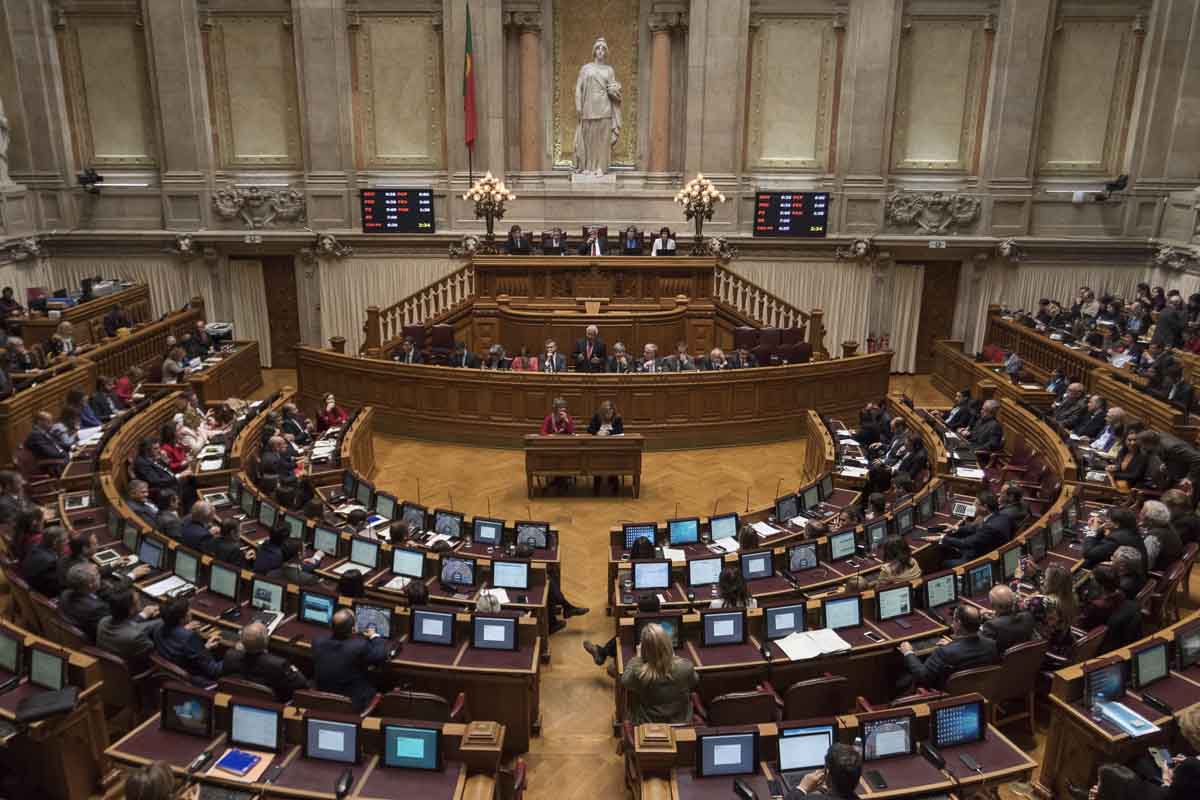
{"points": [[425, 706], [241, 687], [825, 696], [122, 701], [314, 700], [1021, 666], [738, 708], [745, 336]]}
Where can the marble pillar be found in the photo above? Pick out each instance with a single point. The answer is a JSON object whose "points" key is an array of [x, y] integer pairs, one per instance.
{"points": [[530, 47], [866, 90], [1166, 146], [660, 93], [716, 87]]}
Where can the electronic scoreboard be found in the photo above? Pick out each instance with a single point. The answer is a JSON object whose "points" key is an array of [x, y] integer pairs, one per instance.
{"points": [[803, 214], [397, 210]]}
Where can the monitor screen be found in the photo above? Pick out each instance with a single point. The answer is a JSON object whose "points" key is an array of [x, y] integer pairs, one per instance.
{"points": [[724, 526], [413, 516], [802, 557], [348, 483], [248, 502], [488, 531], [683, 531], [651, 574], [979, 580], [940, 591], [494, 633], [1010, 561], [1150, 664], [727, 754], [1109, 680], [904, 520], [458, 571], [317, 608], [447, 523], [883, 738], [295, 526], [363, 494], [367, 615], [638, 530], [876, 533], [364, 552], [841, 545], [1187, 644], [432, 627], [842, 612], [326, 541], [47, 669], [534, 534], [786, 507], [895, 602], [267, 514], [757, 565], [411, 748], [669, 624], [1035, 544], [783, 620], [10, 653], [385, 505], [266, 595], [409, 563], [150, 551], [327, 740], [957, 724], [223, 581], [925, 507], [724, 627], [810, 498], [187, 566], [826, 486], [704, 571], [510, 574], [190, 713], [254, 727], [804, 748]]}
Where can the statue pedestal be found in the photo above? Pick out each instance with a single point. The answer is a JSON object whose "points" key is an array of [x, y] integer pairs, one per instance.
{"points": [[581, 181]]}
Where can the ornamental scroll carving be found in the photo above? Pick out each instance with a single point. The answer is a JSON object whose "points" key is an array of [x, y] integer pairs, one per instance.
{"points": [[257, 208], [931, 212], [1176, 258]]}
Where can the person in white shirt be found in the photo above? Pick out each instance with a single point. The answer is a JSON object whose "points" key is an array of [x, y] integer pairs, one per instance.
{"points": [[649, 362], [664, 244]]}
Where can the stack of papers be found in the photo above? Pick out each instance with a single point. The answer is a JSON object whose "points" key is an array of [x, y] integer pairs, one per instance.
{"points": [[209, 464], [969, 472], [499, 594], [89, 436], [765, 529], [726, 545], [439, 537], [803, 645], [852, 472], [168, 584], [799, 522], [674, 554], [397, 583]]}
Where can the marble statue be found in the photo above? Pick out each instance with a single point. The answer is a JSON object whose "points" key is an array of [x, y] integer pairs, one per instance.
{"points": [[598, 103], [4, 138]]}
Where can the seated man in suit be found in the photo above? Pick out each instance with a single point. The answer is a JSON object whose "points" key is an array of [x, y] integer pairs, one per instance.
{"points": [[745, 359], [1117, 528], [277, 460], [226, 546], [552, 360], [80, 602], [294, 569], [40, 567], [81, 546], [202, 343], [250, 660], [1092, 422], [649, 361], [150, 466], [9, 307], [717, 360], [180, 645], [127, 631], [516, 244], [199, 529], [1057, 383], [40, 443], [104, 402], [594, 245], [462, 357], [1111, 435], [408, 353], [620, 361], [116, 319], [960, 415], [986, 433], [295, 425], [989, 530], [681, 361], [1176, 389], [554, 242], [1071, 407], [965, 649], [12, 496], [1008, 625], [341, 662], [915, 459], [590, 354], [269, 555]]}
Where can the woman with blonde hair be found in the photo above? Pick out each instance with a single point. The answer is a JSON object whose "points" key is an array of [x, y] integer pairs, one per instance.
{"points": [[62, 343], [659, 682], [1055, 608], [191, 432]]}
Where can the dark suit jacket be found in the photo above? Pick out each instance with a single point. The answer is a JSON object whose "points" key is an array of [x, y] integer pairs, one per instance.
{"points": [[340, 666], [1008, 629], [195, 535], [267, 669], [1170, 547], [750, 360], [1184, 393], [276, 463], [986, 434], [707, 364], [414, 357], [975, 539], [186, 649], [43, 446], [472, 360], [1090, 425], [268, 557], [131, 639], [1098, 549], [672, 363], [585, 248], [1188, 527], [640, 363], [147, 512], [517, 246], [84, 611], [965, 652], [169, 523], [105, 405], [617, 425], [228, 551], [914, 460], [560, 362], [155, 474], [1069, 412], [1124, 625], [599, 350], [296, 428], [960, 416], [1182, 459], [614, 366], [1168, 330], [293, 572], [40, 570]]}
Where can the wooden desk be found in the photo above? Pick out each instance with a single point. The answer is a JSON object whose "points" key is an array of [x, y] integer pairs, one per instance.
{"points": [[1040, 350], [17, 410], [953, 370], [87, 318], [145, 347], [584, 455], [238, 374]]}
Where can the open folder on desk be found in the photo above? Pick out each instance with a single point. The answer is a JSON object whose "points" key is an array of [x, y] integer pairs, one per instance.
{"points": [[803, 645], [1127, 719], [765, 529]]}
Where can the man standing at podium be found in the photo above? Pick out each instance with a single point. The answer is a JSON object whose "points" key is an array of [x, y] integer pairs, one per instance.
{"points": [[590, 354]]}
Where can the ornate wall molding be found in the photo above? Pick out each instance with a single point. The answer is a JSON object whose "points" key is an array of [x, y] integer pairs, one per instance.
{"points": [[258, 208], [326, 246], [1178, 258], [931, 212]]}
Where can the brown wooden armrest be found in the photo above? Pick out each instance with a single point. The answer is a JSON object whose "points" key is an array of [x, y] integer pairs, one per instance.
{"points": [[769, 688]]}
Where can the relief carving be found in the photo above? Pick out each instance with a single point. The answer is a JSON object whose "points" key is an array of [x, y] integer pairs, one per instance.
{"points": [[1177, 258], [257, 208], [931, 212]]}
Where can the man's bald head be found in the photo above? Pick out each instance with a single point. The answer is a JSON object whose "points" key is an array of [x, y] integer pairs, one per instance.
{"points": [[343, 623], [255, 638], [968, 618], [1002, 599], [1076, 389]]}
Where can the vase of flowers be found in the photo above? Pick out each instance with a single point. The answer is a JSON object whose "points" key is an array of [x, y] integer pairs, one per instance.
{"points": [[489, 195], [698, 198]]}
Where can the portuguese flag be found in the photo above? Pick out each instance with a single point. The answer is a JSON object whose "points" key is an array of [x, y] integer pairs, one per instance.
{"points": [[469, 124]]}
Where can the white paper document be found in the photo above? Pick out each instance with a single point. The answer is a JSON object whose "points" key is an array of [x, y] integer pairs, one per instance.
{"points": [[764, 529], [852, 472], [726, 545], [803, 645], [969, 472], [674, 554], [499, 594]]}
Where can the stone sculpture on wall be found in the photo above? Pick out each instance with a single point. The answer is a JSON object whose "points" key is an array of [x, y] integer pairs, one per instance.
{"points": [[257, 208], [5, 180], [598, 104], [931, 212]]}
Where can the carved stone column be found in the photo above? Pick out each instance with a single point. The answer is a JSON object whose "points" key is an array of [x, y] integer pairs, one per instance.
{"points": [[529, 34], [660, 92]]}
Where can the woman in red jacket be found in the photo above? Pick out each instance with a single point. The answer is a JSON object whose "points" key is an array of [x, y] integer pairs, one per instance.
{"points": [[558, 420], [175, 453], [332, 415]]}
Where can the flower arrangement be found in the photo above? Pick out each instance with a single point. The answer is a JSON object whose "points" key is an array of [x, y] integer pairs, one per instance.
{"points": [[489, 194], [698, 198]]}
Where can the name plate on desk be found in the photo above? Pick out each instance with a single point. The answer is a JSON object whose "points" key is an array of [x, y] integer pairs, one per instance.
{"points": [[482, 733]]}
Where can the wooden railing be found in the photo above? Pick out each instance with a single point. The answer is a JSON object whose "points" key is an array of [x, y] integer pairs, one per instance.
{"points": [[420, 308], [766, 309]]}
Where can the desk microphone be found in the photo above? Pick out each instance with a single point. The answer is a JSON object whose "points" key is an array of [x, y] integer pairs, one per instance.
{"points": [[529, 511], [742, 790], [714, 512], [778, 486], [489, 505], [344, 783], [676, 509]]}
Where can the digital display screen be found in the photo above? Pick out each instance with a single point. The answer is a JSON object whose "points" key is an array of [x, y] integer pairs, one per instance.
{"points": [[409, 563], [841, 545], [447, 523], [635, 532], [979, 580], [10, 653], [940, 591], [413, 516], [331, 741], [488, 531], [266, 596], [684, 531], [704, 571], [804, 748], [757, 565], [1150, 664], [724, 627], [458, 571], [326, 541], [222, 581], [1011, 560], [1109, 681], [810, 498], [385, 505], [887, 737], [670, 626], [894, 602], [651, 574], [397, 210], [186, 566], [432, 627], [295, 526], [842, 613], [724, 526], [184, 712], [364, 552], [510, 574], [727, 754], [804, 214], [377, 617], [1188, 645], [410, 748], [495, 633], [266, 515], [150, 552], [783, 620], [876, 533], [786, 507], [802, 557], [316, 608], [254, 727], [534, 534], [955, 725], [46, 669]]}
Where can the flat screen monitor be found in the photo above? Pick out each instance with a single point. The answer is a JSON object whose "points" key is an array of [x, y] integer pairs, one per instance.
{"points": [[804, 748], [364, 552], [826, 486], [669, 624], [957, 724], [683, 531], [385, 505], [724, 526], [884, 738], [413, 516], [409, 563], [494, 633], [326, 540], [187, 566], [1010, 560], [10, 653], [757, 564], [784, 620], [842, 612], [411, 748], [876, 532], [633, 531], [331, 740], [130, 537], [705, 571], [534, 534], [940, 590], [448, 523], [510, 574], [488, 531], [810, 498], [266, 595], [1149, 664], [894, 602], [723, 627], [186, 712], [925, 507], [1035, 546], [370, 615], [904, 520], [841, 545], [317, 608], [256, 727], [364, 493], [786, 507], [1187, 644], [47, 668], [223, 581], [651, 575], [151, 551], [249, 504], [458, 571], [979, 580], [1109, 680], [348, 483], [802, 557], [267, 514], [432, 627], [295, 525], [727, 754]]}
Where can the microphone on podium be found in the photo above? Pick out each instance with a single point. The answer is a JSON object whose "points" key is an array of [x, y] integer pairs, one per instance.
{"points": [[714, 513], [676, 509], [489, 505]]}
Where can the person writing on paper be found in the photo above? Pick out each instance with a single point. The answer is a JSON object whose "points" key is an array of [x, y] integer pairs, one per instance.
{"points": [[732, 591], [340, 663], [964, 650], [606, 421], [558, 420], [659, 683]]}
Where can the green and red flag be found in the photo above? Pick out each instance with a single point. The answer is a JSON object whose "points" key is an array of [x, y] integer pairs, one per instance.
{"points": [[469, 124]]}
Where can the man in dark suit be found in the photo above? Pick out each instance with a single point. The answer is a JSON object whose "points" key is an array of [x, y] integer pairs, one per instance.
{"points": [[277, 460], [40, 567], [80, 602], [12, 496], [202, 343], [594, 245], [294, 570], [620, 361], [1181, 459], [960, 415], [590, 353], [1168, 329], [1175, 389], [408, 353], [649, 362], [126, 631], [681, 361], [1057, 383], [116, 319], [104, 402], [250, 660], [965, 650], [1071, 408], [81, 546], [1012, 505], [990, 530], [227, 545], [986, 433], [1009, 625], [462, 357], [915, 458], [1118, 529], [340, 663], [1091, 424], [716, 360], [199, 529], [744, 359], [1154, 364], [40, 442], [269, 555], [150, 467], [551, 360], [295, 425], [175, 642]]}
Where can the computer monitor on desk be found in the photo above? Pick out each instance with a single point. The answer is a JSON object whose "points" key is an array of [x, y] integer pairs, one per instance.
{"points": [[786, 508], [11, 650], [887, 736], [47, 667], [1106, 679], [940, 590], [317, 608], [494, 633], [802, 557], [804, 748], [632, 531], [784, 620], [1010, 561], [256, 726], [326, 541], [1150, 663], [413, 515], [488, 531], [825, 486], [330, 739], [385, 505], [757, 564], [1187, 645], [649, 575], [432, 627], [979, 580], [704, 571], [876, 532], [407, 747], [904, 518], [894, 602], [842, 612], [683, 531], [842, 545], [723, 627], [408, 563], [510, 574], [953, 723], [670, 624], [186, 710], [810, 498], [724, 526], [726, 754], [448, 523]]}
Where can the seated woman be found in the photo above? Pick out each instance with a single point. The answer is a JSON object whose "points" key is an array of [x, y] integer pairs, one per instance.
{"points": [[1054, 608], [127, 385], [664, 245], [62, 343], [1133, 462], [558, 420], [192, 433], [631, 242], [524, 362], [659, 683], [606, 421], [732, 591], [516, 243], [332, 415], [172, 368], [176, 454], [898, 562], [66, 431]]}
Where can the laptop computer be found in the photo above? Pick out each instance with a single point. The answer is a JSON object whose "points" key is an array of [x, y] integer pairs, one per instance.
{"points": [[801, 751]]}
